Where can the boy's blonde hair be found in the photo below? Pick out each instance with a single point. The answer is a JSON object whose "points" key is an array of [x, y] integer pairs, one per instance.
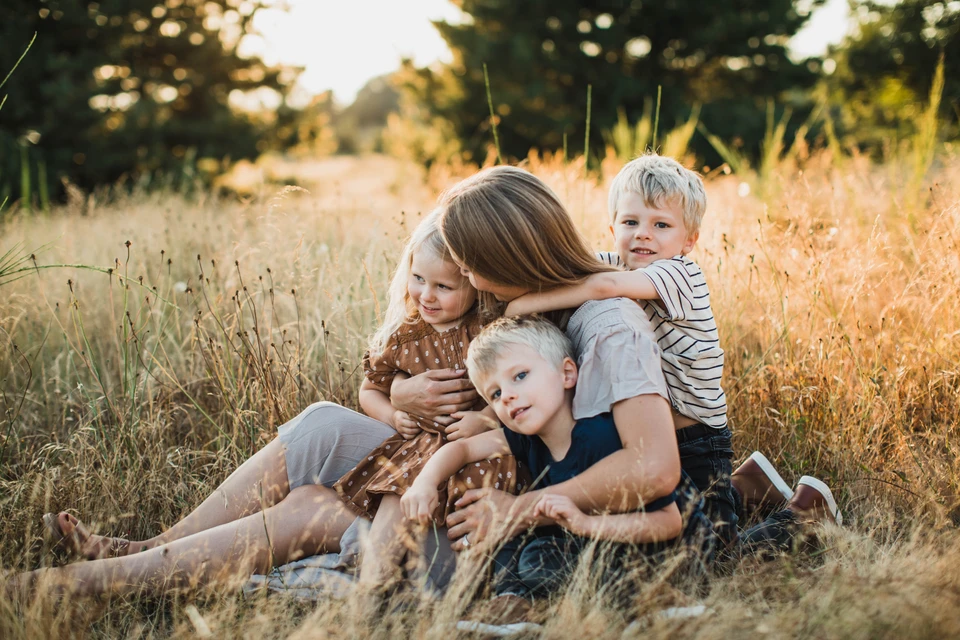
{"points": [[496, 338], [508, 227], [400, 308], [661, 181]]}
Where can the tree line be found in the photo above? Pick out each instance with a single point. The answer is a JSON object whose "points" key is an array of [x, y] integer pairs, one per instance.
{"points": [[144, 90]]}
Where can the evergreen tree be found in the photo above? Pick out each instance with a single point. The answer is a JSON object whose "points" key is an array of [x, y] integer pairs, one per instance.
{"points": [[541, 56], [885, 70], [127, 87]]}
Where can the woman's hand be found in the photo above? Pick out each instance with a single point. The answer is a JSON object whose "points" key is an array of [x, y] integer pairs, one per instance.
{"points": [[434, 394], [564, 512], [419, 502], [489, 516], [469, 423], [405, 425]]}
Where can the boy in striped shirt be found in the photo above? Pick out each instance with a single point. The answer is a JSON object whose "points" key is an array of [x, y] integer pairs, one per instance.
{"points": [[656, 206]]}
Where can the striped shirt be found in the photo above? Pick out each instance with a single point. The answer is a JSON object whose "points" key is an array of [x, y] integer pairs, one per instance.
{"points": [[687, 335]]}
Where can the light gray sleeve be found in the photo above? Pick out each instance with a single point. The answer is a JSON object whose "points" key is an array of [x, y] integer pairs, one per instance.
{"points": [[617, 355]]}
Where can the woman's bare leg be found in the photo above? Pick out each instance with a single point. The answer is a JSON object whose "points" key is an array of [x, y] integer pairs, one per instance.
{"points": [[310, 520], [258, 483], [336, 439]]}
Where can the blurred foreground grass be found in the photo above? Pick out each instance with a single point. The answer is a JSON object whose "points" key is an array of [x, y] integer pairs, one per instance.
{"points": [[836, 294]]}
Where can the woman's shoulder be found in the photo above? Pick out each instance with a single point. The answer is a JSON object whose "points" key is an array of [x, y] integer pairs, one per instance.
{"points": [[613, 312]]}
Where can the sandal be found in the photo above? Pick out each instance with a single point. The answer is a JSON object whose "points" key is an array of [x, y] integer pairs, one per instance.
{"points": [[73, 537]]}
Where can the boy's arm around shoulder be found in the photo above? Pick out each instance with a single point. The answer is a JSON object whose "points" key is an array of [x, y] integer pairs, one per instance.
{"points": [[599, 286], [636, 285]]}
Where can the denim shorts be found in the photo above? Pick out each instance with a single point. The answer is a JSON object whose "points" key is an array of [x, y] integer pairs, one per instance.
{"points": [[538, 563], [706, 455]]}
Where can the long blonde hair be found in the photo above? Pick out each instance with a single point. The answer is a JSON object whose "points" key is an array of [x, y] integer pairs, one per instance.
{"points": [[400, 308], [508, 227]]}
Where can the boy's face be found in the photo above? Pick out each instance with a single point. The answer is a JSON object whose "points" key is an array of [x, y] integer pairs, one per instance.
{"points": [[526, 391], [644, 234]]}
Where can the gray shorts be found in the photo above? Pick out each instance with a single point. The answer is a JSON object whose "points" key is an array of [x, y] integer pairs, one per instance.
{"points": [[327, 440]]}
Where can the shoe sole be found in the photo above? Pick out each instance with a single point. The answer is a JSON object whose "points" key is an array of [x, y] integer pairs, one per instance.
{"points": [[768, 470], [683, 613], [821, 487], [498, 630]]}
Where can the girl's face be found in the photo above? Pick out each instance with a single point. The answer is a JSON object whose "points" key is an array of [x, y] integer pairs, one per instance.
{"points": [[502, 292], [441, 294]]}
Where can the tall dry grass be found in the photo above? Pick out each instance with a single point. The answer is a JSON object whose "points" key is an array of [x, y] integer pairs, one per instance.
{"points": [[836, 294]]}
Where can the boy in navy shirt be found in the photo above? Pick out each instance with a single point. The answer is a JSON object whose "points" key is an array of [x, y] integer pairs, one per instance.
{"points": [[523, 367]]}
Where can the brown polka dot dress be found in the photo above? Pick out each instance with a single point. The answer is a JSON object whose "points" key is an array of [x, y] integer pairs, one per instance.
{"points": [[392, 467]]}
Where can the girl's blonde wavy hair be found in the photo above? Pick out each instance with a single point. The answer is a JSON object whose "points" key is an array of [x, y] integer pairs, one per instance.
{"points": [[400, 308], [507, 226]]}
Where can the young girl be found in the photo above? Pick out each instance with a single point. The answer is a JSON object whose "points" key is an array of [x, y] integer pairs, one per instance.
{"points": [[432, 316]]}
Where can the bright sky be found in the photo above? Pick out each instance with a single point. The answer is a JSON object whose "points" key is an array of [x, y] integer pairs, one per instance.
{"points": [[826, 26], [343, 44]]}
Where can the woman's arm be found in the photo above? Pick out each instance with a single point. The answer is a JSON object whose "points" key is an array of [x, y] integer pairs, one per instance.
{"points": [[636, 527], [434, 394], [600, 286], [647, 468]]}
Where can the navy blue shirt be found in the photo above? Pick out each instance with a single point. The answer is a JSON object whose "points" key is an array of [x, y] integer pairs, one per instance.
{"points": [[591, 440]]}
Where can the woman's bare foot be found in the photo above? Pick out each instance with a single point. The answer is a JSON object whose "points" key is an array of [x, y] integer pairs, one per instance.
{"points": [[76, 539]]}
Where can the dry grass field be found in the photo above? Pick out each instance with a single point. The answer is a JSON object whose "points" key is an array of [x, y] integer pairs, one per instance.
{"points": [[128, 396]]}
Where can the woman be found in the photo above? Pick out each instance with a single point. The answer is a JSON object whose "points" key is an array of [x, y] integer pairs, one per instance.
{"points": [[511, 235]]}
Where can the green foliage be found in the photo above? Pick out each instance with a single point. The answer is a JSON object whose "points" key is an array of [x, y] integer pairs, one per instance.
{"points": [[416, 131], [125, 87], [3, 101], [886, 69], [359, 127], [306, 131], [542, 56], [630, 140]]}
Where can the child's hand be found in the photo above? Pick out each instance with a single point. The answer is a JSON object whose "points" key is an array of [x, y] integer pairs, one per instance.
{"points": [[564, 512], [469, 423], [419, 502], [405, 425]]}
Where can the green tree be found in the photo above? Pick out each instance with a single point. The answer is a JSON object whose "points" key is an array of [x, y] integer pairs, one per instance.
{"points": [[361, 124], [542, 55], [885, 69], [127, 87]]}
